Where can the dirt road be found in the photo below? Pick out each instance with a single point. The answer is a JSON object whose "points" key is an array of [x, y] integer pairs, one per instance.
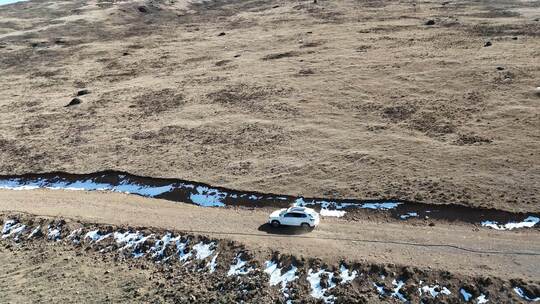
{"points": [[381, 242]]}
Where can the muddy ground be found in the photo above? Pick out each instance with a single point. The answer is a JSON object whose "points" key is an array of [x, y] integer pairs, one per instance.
{"points": [[71, 266], [359, 99]]}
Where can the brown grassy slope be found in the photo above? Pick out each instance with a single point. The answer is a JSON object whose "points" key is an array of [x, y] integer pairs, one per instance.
{"points": [[339, 99]]}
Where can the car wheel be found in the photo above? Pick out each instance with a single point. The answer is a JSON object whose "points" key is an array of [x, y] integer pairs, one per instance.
{"points": [[305, 226], [275, 224]]}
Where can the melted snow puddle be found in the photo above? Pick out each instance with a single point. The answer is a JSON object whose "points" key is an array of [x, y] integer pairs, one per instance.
{"points": [[207, 196]]}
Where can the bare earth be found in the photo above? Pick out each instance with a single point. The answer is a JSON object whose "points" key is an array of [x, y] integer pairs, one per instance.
{"points": [[335, 240], [338, 99]]}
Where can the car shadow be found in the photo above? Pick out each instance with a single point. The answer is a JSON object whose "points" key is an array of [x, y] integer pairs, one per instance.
{"points": [[284, 230]]}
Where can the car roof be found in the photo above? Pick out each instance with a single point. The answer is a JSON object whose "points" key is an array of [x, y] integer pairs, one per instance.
{"points": [[300, 209]]}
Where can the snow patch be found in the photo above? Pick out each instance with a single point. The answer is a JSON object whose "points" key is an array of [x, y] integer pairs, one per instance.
{"points": [[207, 197], [239, 268], [203, 250], [53, 233], [521, 293], [181, 250], [95, 236], [34, 232], [158, 250], [408, 215], [213, 263], [276, 277], [131, 240], [526, 223], [396, 293], [317, 291], [466, 295], [346, 275], [434, 290], [380, 289], [14, 231], [334, 213], [481, 299]]}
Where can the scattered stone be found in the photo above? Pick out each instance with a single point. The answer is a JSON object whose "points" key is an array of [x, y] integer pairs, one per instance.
{"points": [[514, 38], [83, 92], [488, 43], [500, 68], [222, 34], [73, 102], [275, 6], [142, 9], [125, 53], [430, 22], [237, 55]]}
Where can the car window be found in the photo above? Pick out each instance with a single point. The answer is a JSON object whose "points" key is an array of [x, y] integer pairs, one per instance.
{"points": [[289, 215]]}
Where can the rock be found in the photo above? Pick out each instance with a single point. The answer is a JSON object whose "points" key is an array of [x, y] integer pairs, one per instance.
{"points": [[514, 38], [83, 92], [221, 34], [73, 102], [488, 43], [431, 224], [142, 9], [500, 68], [430, 22]]}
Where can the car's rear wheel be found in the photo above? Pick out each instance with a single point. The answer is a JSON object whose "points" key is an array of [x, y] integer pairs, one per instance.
{"points": [[275, 224], [305, 226]]}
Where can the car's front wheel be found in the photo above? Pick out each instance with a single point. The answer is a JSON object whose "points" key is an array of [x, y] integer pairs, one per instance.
{"points": [[275, 224], [305, 226]]}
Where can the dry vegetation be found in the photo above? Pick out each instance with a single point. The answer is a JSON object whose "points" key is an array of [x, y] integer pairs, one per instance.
{"points": [[340, 98]]}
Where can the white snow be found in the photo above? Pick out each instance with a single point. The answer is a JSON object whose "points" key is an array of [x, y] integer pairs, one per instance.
{"points": [[53, 233], [346, 275], [408, 215], [95, 236], [34, 232], [158, 250], [14, 231], [276, 277], [396, 291], [86, 185], [380, 206], [213, 263], [522, 294], [7, 226], [380, 289], [481, 299], [240, 268], [203, 250], [131, 240], [181, 250], [207, 197], [317, 291], [434, 290], [466, 296], [335, 213], [526, 223]]}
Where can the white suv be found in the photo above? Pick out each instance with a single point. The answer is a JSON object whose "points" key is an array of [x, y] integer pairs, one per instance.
{"points": [[294, 216]]}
